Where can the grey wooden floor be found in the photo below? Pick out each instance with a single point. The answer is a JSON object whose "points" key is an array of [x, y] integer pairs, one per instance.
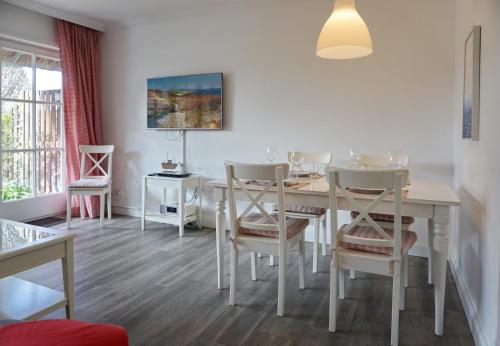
{"points": [[162, 289]]}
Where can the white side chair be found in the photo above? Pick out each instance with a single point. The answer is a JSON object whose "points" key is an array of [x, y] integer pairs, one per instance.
{"points": [[315, 215], [384, 160], [260, 231], [368, 248], [95, 181]]}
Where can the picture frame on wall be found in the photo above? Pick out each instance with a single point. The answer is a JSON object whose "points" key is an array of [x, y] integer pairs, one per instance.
{"points": [[471, 96]]}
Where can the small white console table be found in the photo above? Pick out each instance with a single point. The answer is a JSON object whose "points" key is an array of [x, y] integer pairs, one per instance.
{"points": [[23, 247], [181, 185]]}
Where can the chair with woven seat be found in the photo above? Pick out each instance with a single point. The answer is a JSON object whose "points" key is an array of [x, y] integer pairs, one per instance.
{"points": [[315, 215], [94, 181], [260, 231], [363, 244]]}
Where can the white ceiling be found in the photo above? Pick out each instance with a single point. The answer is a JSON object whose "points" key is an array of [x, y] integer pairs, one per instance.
{"points": [[121, 11]]}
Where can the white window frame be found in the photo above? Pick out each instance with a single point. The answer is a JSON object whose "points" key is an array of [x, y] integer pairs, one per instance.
{"points": [[34, 51]]}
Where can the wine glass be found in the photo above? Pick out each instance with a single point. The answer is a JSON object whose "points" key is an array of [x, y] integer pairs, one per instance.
{"points": [[297, 158], [395, 159], [354, 156], [271, 153]]}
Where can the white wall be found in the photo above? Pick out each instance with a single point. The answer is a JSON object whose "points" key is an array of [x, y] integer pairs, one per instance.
{"points": [[28, 27], [476, 232], [278, 92]]}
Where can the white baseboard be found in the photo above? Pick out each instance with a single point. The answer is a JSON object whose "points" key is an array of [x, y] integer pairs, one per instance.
{"points": [[58, 213], [471, 313], [127, 211]]}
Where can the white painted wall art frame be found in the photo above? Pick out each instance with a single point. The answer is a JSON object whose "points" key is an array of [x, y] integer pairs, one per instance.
{"points": [[472, 63]]}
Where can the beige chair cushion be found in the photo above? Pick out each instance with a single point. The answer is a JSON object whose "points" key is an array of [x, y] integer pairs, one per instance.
{"points": [[408, 238], [406, 220], [90, 183], [293, 226], [302, 209]]}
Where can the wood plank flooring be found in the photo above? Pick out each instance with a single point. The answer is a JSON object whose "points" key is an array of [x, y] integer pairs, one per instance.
{"points": [[162, 289]]}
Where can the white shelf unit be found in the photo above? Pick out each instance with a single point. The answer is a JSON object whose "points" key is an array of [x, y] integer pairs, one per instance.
{"points": [[24, 301], [181, 185]]}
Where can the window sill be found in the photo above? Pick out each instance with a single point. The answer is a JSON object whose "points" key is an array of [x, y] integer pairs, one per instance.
{"points": [[48, 195]]}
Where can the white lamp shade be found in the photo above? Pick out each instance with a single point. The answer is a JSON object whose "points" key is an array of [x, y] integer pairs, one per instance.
{"points": [[345, 34]]}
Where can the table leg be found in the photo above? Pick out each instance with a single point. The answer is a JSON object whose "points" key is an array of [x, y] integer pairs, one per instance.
{"points": [[180, 209], [68, 277], [143, 203], [220, 232], [430, 241], [199, 204], [439, 265]]}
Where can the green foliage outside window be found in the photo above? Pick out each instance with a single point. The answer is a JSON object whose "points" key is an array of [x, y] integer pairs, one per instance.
{"points": [[15, 190]]}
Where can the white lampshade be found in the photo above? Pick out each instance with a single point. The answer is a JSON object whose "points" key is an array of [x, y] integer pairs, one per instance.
{"points": [[345, 34]]}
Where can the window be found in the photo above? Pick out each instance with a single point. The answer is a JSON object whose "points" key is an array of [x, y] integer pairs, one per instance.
{"points": [[31, 136]]}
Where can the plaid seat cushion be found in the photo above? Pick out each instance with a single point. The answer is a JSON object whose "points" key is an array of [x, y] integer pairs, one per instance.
{"points": [[293, 226], [408, 238], [302, 209], [406, 220]]}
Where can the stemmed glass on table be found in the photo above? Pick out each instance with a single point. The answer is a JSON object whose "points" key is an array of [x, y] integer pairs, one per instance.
{"points": [[354, 156], [271, 153], [297, 158]]}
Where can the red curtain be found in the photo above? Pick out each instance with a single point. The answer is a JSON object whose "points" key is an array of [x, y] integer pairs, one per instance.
{"points": [[79, 51]]}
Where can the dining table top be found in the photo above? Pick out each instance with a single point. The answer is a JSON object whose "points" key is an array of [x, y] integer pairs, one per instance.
{"points": [[416, 191]]}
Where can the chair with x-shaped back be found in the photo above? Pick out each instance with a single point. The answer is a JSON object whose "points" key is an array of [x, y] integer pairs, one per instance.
{"points": [[273, 234], [364, 244], [93, 181]]}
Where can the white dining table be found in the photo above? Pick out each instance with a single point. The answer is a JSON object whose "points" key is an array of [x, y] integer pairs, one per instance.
{"points": [[430, 200]]}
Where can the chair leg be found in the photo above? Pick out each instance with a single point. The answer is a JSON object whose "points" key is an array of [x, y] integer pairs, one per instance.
{"points": [[82, 207], [271, 260], [109, 205], [323, 236], [302, 251], [315, 246], [396, 284], [68, 209], [352, 275], [101, 210], [405, 258], [282, 280], [253, 261], [334, 274], [402, 286], [233, 272], [342, 283]]}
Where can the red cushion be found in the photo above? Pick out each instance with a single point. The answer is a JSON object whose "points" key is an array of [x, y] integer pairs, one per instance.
{"points": [[62, 333]]}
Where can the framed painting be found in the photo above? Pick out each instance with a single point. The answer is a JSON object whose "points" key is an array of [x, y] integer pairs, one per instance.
{"points": [[470, 125], [185, 102]]}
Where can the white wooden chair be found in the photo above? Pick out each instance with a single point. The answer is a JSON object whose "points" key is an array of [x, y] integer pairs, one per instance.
{"points": [[368, 248], [273, 234], [384, 160], [94, 181], [315, 215]]}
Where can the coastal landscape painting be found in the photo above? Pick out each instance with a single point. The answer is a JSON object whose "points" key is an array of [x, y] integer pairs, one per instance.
{"points": [[185, 102]]}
